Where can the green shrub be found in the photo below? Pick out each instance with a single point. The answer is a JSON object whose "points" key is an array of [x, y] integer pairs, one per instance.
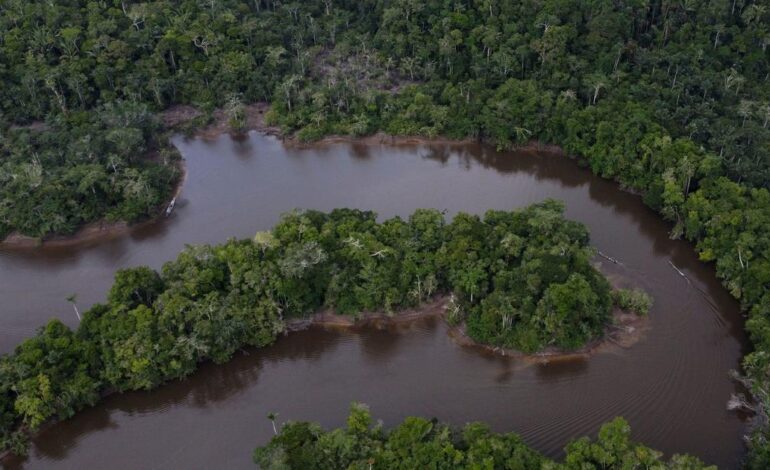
{"points": [[632, 300]]}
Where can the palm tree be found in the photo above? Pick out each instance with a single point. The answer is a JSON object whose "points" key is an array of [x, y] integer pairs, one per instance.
{"points": [[408, 64], [734, 79], [718, 29], [764, 111], [754, 13], [72, 298], [236, 112], [272, 416], [522, 133], [745, 108], [687, 167], [596, 81], [568, 94], [288, 87]]}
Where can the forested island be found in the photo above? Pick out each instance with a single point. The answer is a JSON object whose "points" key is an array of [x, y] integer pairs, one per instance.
{"points": [[422, 443], [520, 279], [670, 99]]}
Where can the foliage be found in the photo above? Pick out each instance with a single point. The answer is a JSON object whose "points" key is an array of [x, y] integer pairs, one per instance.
{"points": [[48, 375], [671, 99], [84, 166], [535, 288], [657, 95], [632, 300], [420, 443]]}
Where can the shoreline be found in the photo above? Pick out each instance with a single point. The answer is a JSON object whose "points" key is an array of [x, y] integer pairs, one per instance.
{"points": [[327, 318], [175, 117], [622, 332], [255, 121]]}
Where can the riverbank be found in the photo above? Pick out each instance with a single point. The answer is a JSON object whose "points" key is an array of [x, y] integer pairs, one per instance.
{"points": [[621, 228], [624, 330], [327, 318], [178, 117], [255, 116]]}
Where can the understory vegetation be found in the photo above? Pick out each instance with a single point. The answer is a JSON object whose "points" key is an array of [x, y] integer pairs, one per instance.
{"points": [[520, 279], [669, 98], [422, 443]]}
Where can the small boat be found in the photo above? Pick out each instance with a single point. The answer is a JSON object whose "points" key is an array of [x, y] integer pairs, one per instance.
{"points": [[170, 207], [677, 269]]}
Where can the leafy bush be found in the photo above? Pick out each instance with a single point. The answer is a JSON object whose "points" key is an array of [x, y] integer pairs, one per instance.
{"points": [[632, 300], [422, 443]]}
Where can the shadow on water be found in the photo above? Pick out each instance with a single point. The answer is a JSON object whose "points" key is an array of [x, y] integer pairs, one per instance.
{"points": [[361, 152], [557, 371], [243, 146], [378, 344]]}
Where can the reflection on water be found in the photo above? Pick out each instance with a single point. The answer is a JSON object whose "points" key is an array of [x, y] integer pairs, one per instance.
{"points": [[672, 386]]}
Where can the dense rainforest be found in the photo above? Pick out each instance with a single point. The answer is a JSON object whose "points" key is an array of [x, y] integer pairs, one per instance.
{"points": [[422, 443], [520, 279], [668, 97], [84, 166]]}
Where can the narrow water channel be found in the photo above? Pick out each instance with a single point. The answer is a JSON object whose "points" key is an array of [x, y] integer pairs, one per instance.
{"points": [[672, 386]]}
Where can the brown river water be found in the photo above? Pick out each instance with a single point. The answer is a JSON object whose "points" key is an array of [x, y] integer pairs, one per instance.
{"points": [[672, 386]]}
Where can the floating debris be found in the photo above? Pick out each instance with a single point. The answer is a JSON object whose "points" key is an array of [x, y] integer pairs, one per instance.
{"points": [[609, 258]]}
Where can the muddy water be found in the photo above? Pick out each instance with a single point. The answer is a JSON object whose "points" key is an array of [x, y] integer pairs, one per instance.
{"points": [[672, 386]]}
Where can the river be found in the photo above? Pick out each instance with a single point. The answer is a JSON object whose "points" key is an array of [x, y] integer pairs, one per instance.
{"points": [[672, 386]]}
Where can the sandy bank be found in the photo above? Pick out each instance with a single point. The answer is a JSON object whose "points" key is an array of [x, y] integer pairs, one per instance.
{"points": [[624, 330]]}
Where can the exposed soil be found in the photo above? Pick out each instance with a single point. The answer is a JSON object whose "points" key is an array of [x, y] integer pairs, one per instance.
{"points": [[179, 115], [625, 330], [329, 319]]}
